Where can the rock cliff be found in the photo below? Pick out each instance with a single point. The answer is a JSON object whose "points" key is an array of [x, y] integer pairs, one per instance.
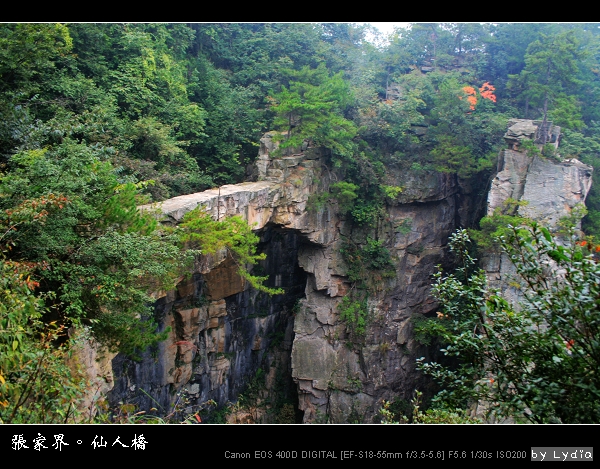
{"points": [[227, 339], [548, 189]]}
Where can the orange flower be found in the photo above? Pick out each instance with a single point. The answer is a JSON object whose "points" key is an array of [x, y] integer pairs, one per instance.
{"points": [[582, 243], [469, 89]]}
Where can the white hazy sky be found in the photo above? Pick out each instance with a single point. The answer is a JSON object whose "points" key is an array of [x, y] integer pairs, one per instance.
{"points": [[387, 28]]}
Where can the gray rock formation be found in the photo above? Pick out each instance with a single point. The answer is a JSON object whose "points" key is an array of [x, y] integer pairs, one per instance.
{"points": [[341, 383], [224, 334], [549, 189]]}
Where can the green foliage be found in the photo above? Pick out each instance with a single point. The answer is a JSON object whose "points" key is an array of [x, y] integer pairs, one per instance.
{"points": [[551, 68], [567, 113], [425, 329], [464, 138], [391, 415], [571, 222], [549, 151], [96, 119], [117, 300], [153, 140], [367, 265], [286, 414], [354, 314], [453, 158], [36, 384], [235, 117], [96, 256], [493, 228], [28, 50], [345, 194], [233, 234], [316, 201], [533, 149], [395, 411], [367, 213], [377, 257], [353, 258], [366, 262], [364, 203], [585, 148], [388, 124], [391, 192], [530, 147], [535, 362], [311, 109]]}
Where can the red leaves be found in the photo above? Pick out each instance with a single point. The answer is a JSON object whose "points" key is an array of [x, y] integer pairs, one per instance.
{"points": [[570, 344], [486, 92], [35, 209], [21, 273], [471, 96], [472, 101]]}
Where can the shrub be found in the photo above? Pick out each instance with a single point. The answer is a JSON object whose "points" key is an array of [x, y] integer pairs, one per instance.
{"points": [[537, 360]]}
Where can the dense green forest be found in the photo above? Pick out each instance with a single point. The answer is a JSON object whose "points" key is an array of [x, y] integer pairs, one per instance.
{"points": [[97, 119]]}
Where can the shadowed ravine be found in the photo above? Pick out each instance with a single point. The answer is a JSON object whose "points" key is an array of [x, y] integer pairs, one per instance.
{"points": [[228, 340]]}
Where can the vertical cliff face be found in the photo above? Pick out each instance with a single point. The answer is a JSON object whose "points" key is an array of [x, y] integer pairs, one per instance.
{"points": [[222, 336], [341, 379], [226, 336], [547, 189]]}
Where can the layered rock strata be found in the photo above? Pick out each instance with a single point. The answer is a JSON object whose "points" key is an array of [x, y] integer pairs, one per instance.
{"points": [[225, 334], [336, 381], [547, 190]]}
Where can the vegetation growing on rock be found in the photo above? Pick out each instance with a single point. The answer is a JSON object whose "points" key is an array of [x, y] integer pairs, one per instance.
{"points": [[98, 119]]}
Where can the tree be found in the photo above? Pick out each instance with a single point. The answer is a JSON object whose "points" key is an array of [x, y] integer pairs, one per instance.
{"points": [[234, 123], [27, 50], [550, 69], [387, 124], [36, 384], [198, 230], [27, 57], [311, 108], [465, 134], [430, 44], [96, 257], [537, 360]]}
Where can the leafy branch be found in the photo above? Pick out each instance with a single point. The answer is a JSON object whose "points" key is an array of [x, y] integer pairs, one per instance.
{"points": [[199, 231]]}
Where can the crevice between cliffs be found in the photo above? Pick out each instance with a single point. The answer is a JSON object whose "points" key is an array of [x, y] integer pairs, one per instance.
{"points": [[290, 358]]}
